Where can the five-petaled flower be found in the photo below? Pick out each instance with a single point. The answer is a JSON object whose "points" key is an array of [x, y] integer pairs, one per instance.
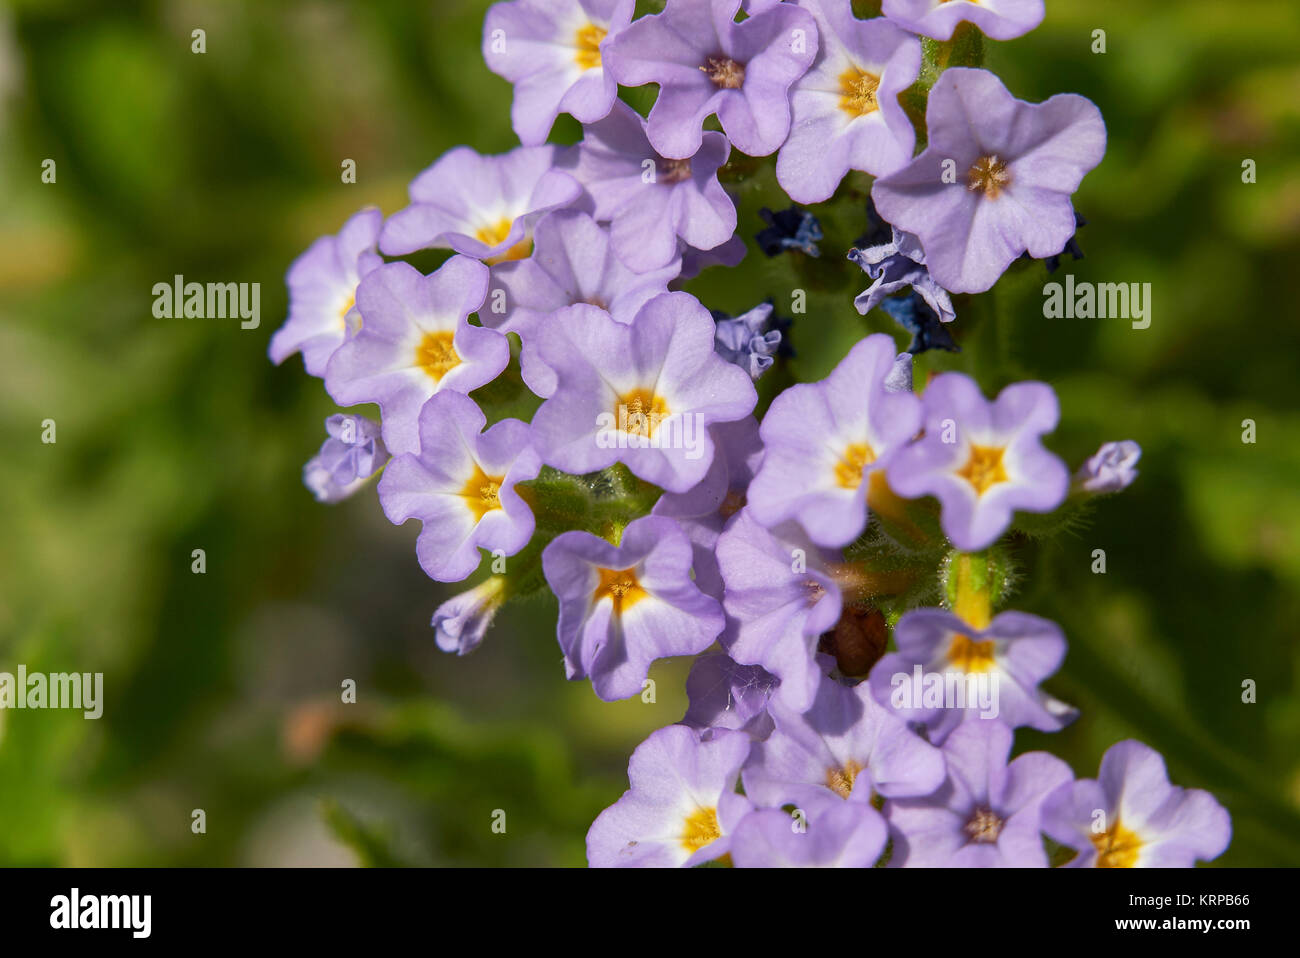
{"points": [[983, 460], [994, 180], [622, 607], [482, 206], [682, 805], [987, 814], [651, 203], [845, 113], [461, 486], [552, 51], [416, 341], [642, 394], [706, 63], [1130, 816], [827, 441]]}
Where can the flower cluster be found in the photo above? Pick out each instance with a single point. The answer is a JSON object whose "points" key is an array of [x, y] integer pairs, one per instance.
{"points": [[836, 555]]}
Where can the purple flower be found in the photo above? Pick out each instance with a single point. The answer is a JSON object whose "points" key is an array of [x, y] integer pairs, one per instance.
{"points": [[351, 455], [986, 815], [825, 440], [833, 836], [845, 747], [1131, 817], [650, 201], [1111, 469], [571, 263], [726, 695], [999, 19], [845, 113], [461, 486], [750, 340], [482, 206], [642, 394], [706, 63], [622, 607], [781, 596], [946, 671], [415, 340], [995, 178], [551, 51], [682, 806], [983, 460], [461, 622], [704, 510], [322, 291], [896, 265]]}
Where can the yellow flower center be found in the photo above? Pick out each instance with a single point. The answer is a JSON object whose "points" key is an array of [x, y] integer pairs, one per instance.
{"points": [[969, 655], [1117, 848], [725, 72], [989, 176], [437, 355], [856, 458], [621, 587], [700, 828], [640, 412], [494, 234], [984, 468], [587, 40], [840, 780], [858, 92], [482, 493]]}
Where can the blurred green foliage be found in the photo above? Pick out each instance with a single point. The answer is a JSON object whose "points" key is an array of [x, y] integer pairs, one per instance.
{"points": [[222, 689]]}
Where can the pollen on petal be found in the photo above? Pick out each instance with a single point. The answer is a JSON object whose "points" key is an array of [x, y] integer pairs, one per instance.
{"points": [[725, 72], [858, 92], [482, 493], [700, 828], [587, 44], [621, 587], [984, 826], [840, 779], [437, 355], [640, 411], [852, 462], [988, 175], [1117, 847], [494, 234], [984, 469], [971, 656]]}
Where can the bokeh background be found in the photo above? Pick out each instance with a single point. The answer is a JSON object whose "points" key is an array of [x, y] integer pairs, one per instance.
{"points": [[222, 689]]}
